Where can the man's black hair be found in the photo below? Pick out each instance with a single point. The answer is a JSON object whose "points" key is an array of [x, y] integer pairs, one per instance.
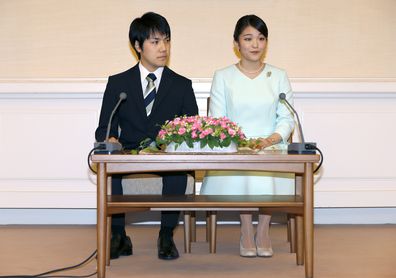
{"points": [[143, 27]]}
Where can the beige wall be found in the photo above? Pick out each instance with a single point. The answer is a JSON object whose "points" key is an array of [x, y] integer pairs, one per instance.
{"points": [[312, 39]]}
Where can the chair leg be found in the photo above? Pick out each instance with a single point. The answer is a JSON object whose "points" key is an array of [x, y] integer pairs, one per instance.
{"points": [[213, 232], [187, 231], [108, 240], [300, 240], [288, 228], [193, 227], [208, 226], [292, 233]]}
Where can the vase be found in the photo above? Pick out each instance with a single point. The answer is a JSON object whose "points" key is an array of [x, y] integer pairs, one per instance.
{"points": [[184, 148]]}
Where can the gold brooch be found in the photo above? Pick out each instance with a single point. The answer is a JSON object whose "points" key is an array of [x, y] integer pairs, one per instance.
{"points": [[269, 74]]}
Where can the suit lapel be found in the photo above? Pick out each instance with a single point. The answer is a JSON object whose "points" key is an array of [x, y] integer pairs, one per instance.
{"points": [[135, 91], [164, 88]]}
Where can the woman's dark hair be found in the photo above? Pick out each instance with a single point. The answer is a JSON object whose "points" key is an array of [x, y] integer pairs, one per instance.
{"points": [[250, 20], [142, 27]]}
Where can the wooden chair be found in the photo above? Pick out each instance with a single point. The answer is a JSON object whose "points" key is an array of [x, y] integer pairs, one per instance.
{"points": [[151, 184]]}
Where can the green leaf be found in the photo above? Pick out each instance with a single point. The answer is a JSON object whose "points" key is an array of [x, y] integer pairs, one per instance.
{"points": [[226, 142], [213, 142], [189, 142], [204, 142], [210, 144]]}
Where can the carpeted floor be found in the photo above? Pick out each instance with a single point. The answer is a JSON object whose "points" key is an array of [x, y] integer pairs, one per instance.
{"points": [[346, 251]]}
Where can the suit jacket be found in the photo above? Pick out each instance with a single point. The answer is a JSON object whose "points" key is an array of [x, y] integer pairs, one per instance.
{"points": [[131, 125]]}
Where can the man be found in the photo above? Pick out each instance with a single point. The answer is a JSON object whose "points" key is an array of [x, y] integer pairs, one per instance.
{"points": [[154, 94]]}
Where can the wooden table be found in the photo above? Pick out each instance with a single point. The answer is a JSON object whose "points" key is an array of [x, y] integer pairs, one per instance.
{"points": [[274, 161]]}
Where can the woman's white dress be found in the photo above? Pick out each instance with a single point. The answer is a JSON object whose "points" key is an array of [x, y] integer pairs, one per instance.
{"points": [[254, 105]]}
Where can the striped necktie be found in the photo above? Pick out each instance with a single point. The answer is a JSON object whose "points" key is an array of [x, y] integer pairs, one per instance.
{"points": [[149, 94]]}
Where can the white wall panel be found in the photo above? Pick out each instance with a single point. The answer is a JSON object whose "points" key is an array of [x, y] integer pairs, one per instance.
{"points": [[47, 129], [47, 135], [355, 135], [44, 154]]}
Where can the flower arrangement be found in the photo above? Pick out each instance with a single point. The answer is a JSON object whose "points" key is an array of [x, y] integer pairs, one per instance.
{"points": [[208, 131]]}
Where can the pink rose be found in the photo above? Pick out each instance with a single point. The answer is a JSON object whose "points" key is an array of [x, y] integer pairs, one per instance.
{"points": [[231, 132], [207, 131], [196, 126]]}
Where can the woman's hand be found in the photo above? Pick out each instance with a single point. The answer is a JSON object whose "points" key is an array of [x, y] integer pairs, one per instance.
{"points": [[258, 143], [263, 143]]}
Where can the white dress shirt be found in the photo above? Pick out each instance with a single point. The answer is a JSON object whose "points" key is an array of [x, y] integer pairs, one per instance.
{"points": [[143, 74]]}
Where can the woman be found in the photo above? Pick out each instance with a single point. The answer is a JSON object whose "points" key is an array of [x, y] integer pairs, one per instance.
{"points": [[248, 93]]}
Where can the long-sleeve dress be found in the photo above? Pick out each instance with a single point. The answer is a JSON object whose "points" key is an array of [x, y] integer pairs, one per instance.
{"points": [[254, 105]]}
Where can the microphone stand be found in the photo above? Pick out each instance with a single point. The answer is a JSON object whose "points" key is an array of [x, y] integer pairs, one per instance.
{"points": [[303, 147], [107, 147]]}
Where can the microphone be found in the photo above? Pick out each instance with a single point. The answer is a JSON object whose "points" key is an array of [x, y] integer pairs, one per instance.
{"points": [[298, 148], [107, 147]]}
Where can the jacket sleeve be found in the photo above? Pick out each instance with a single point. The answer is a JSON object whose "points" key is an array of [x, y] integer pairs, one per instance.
{"points": [[217, 107], [110, 99], [190, 107]]}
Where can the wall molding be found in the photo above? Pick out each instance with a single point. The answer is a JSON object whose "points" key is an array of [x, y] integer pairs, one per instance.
{"points": [[87, 88], [31, 111]]}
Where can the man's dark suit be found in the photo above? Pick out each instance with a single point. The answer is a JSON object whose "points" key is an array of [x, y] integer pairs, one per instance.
{"points": [[175, 97]]}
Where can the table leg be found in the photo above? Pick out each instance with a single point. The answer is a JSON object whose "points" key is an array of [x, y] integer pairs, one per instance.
{"points": [[101, 226], [187, 232], [308, 220], [108, 240]]}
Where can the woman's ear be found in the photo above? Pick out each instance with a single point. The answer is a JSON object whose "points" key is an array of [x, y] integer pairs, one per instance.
{"points": [[236, 45], [237, 52]]}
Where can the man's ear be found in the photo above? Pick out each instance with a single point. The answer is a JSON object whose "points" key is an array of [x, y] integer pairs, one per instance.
{"points": [[137, 47]]}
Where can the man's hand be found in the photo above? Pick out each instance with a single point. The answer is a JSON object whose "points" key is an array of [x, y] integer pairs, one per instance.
{"points": [[113, 140]]}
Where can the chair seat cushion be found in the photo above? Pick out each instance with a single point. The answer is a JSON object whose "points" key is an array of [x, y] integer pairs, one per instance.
{"points": [[135, 184]]}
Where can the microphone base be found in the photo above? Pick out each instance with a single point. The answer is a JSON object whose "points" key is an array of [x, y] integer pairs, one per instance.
{"points": [[107, 148], [301, 148]]}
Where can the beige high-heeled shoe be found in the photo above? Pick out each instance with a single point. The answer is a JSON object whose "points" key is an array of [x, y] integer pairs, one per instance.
{"points": [[264, 252], [247, 252]]}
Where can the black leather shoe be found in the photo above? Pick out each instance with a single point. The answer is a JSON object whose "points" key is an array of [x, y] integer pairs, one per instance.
{"points": [[120, 245], [166, 248]]}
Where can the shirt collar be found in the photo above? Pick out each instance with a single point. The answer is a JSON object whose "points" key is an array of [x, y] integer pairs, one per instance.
{"points": [[144, 72]]}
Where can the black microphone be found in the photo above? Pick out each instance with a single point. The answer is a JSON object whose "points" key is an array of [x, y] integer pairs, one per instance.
{"points": [[107, 147], [298, 148]]}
